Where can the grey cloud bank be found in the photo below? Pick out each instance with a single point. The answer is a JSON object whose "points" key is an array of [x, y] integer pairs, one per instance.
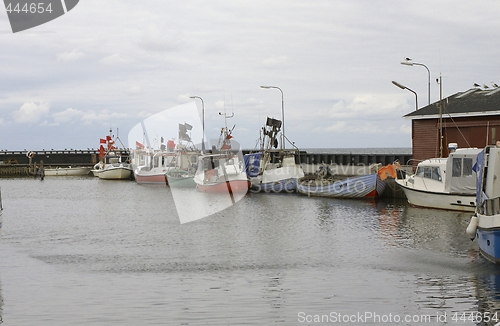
{"points": [[114, 63]]}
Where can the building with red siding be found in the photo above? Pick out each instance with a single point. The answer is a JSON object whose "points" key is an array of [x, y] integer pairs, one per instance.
{"points": [[470, 119]]}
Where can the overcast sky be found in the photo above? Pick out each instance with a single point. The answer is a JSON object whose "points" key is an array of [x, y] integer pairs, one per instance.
{"points": [[115, 63]]}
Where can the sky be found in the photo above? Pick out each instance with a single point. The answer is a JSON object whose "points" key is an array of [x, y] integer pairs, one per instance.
{"points": [[114, 63]]}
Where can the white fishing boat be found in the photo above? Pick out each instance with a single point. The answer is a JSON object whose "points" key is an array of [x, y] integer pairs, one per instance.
{"points": [[113, 163], [169, 164], [155, 167], [223, 171], [273, 170], [485, 223], [444, 183], [113, 167], [68, 171]]}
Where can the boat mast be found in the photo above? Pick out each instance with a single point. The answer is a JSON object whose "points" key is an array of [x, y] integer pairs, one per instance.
{"points": [[440, 82]]}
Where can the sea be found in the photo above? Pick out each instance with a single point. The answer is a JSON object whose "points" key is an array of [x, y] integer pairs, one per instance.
{"points": [[84, 251]]}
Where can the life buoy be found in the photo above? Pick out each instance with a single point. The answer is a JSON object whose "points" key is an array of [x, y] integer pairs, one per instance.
{"points": [[30, 154]]}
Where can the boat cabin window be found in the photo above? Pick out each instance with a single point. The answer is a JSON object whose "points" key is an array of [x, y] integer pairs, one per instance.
{"points": [[462, 167], [429, 172]]}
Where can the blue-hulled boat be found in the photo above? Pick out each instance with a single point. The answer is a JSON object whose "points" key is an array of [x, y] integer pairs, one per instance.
{"points": [[324, 183], [485, 223]]}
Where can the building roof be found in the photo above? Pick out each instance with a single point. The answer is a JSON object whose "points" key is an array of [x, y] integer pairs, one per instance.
{"points": [[474, 102]]}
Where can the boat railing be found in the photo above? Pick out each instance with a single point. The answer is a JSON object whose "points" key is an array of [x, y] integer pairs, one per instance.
{"points": [[490, 207]]}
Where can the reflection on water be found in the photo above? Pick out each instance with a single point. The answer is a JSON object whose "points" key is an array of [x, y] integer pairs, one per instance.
{"points": [[412, 227], [1, 303], [103, 253]]}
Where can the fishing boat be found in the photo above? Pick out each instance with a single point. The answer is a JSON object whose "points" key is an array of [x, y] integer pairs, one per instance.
{"points": [[185, 162], [113, 167], [68, 171], [222, 171], [444, 183], [485, 223], [271, 169], [179, 178], [113, 163], [155, 168], [325, 183]]}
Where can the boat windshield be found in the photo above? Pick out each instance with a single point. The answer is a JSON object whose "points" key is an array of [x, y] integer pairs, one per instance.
{"points": [[429, 172]]}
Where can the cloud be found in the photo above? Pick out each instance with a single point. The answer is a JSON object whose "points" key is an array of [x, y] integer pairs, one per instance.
{"points": [[275, 62], [67, 115], [114, 60], [183, 98], [70, 56], [103, 116], [31, 112], [405, 129], [134, 90]]}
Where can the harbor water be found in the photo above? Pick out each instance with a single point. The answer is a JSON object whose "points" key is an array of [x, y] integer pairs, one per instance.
{"points": [[84, 251]]}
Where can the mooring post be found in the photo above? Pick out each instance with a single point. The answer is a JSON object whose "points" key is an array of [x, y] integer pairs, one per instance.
{"points": [[42, 170]]}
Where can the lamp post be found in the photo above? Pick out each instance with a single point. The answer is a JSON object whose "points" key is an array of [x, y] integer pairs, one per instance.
{"points": [[282, 114], [409, 62], [404, 87], [203, 122]]}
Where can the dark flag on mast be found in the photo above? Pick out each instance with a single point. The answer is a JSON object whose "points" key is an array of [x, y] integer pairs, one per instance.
{"points": [[183, 129]]}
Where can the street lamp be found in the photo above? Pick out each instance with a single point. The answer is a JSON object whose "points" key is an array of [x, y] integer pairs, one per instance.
{"points": [[404, 87], [203, 122], [282, 114], [409, 62]]}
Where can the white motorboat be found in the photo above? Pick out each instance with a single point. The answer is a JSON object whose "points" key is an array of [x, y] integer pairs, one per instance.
{"points": [[113, 164], [67, 171], [113, 167], [444, 183]]}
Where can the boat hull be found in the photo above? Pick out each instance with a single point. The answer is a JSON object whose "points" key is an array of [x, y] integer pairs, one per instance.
{"points": [[178, 178], [367, 186], [287, 185], [119, 173], [233, 186], [463, 203], [151, 179], [489, 243], [181, 183], [75, 171]]}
